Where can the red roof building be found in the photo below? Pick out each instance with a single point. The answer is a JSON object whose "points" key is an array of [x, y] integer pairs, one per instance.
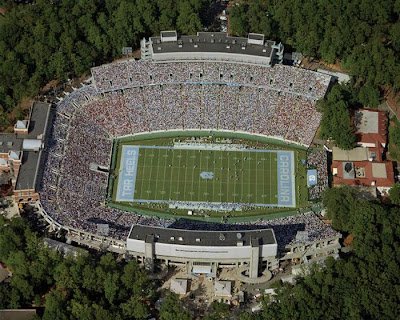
{"points": [[364, 165]]}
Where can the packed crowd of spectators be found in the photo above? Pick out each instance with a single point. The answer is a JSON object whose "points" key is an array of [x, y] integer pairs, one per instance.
{"points": [[278, 101], [73, 191], [285, 228], [318, 160], [128, 74], [187, 106]]}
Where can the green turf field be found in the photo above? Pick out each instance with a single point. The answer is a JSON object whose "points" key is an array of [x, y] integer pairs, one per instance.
{"points": [[206, 175]]}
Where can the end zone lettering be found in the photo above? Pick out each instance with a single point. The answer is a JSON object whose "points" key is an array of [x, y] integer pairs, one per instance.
{"points": [[127, 173], [285, 178]]}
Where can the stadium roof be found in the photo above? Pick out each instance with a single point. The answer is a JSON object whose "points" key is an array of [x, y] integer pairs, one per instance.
{"points": [[39, 119], [211, 42], [201, 237], [28, 171]]}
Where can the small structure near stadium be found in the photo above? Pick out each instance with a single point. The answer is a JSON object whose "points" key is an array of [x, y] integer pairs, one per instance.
{"points": [[179, 286], [21, 153], [364, 165]]}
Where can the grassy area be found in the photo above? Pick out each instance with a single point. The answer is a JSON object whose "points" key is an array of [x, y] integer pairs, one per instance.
{"points": [[207, 175], [152, 175]]}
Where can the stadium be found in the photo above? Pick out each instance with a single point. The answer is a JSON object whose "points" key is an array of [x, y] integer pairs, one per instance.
{"points": [[206, 126]]}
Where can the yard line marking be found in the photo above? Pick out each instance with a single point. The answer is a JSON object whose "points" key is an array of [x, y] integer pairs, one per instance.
{"points": [[172, 173], [144, 166], [220, 184], [199, 175], [227, 184], [256, 179], [263, 176], [165, 172], [270, 175], [192, 178], [234, 184], [186, 166], [179, 168], [151, 169], [158, 159]]}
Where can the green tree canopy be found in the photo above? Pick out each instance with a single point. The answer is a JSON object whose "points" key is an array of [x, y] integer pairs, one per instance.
{"points": [[80, 287], [363, 34], [172, 310], [336, 122], [42, 42], [394, 194]]}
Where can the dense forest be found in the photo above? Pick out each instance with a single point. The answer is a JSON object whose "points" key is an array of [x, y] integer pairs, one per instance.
{"points": [[363, 34], [82, 288], [43, 41]]}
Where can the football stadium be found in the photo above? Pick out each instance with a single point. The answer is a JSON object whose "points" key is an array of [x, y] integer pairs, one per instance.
{"points": [[207, 127]]}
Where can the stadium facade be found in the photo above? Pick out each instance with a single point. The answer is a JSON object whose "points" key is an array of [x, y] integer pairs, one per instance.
{"points": [[211, 46], [204, 252], [209, 81]]}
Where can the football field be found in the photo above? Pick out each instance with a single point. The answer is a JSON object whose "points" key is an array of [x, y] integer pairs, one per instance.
{"points": [[164, 174]]}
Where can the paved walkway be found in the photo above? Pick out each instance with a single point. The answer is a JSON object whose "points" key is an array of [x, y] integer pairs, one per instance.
{"points": [[267, 275]]}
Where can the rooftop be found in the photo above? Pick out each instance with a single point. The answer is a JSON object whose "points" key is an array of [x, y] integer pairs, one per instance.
{"points": [[366, 121], [201, 238], [356, 154], [365, 173], [211, 42], [10, 142], [28, 171], [223, 288], [39, 118], [371, 126], [179, 286]]}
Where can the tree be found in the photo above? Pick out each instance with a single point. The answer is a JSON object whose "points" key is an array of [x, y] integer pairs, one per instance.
{"points": [[188, 21], [394, 194], [135, 279], [134, 308], [220, 311], [339, 203], [238, 20], [369, 96], [336, 121], [171, 309], [55, 306]]}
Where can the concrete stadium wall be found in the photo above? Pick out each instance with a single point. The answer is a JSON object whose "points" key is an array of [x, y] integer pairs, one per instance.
{"points": [[214, 133]]}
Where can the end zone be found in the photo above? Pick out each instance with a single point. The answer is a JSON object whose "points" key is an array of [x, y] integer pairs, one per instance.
{"points": [[127, 173], [286, 179]]}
